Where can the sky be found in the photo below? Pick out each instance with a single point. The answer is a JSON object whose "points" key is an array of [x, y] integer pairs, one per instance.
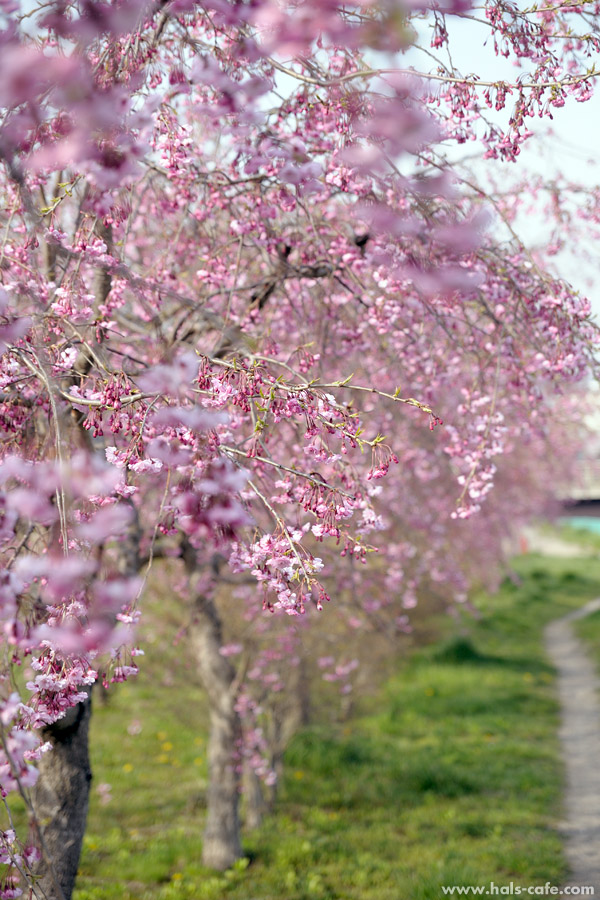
{"points": [[569, 144]]}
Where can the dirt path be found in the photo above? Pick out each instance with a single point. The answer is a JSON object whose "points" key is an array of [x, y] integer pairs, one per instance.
{"points": [[538, 541], [579, 693]]}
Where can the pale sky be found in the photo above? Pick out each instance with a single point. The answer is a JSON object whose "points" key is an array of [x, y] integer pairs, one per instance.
{"points": [[568, 144]]}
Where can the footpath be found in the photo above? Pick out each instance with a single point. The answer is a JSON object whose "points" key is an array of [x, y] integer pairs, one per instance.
{"points": [[579, 692]]}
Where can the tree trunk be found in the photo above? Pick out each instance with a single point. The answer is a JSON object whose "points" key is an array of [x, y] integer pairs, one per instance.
{"points": [[255, 807], [222, 844], [60, 801]]}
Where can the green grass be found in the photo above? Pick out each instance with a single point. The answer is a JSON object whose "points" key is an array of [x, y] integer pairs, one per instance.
{"points": [[449, 775], [588, 630]]}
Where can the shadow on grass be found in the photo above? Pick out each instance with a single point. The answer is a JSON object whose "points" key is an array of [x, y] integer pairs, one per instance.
{"points": [[462, 651]]}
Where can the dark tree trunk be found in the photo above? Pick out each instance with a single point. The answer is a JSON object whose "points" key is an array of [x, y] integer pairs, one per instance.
{"points": [[222, 844], [60, 801]]}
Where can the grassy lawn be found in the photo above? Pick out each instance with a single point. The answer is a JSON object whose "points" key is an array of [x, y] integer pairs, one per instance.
{"points": [[449, 775], [588, 630]]}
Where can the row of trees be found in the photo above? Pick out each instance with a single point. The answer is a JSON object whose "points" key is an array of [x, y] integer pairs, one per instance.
{"points": [[255, 323]]}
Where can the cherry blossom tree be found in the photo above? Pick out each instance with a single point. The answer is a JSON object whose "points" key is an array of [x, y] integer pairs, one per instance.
{"points": [[242, 289]]}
